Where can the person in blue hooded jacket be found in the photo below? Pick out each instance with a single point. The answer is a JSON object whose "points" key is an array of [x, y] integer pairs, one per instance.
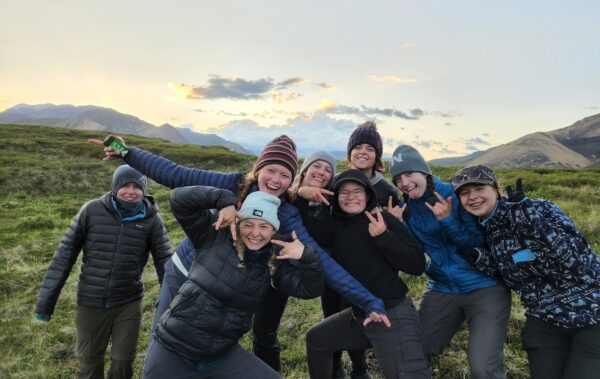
{"points": [[456, 291], [272, 173]]}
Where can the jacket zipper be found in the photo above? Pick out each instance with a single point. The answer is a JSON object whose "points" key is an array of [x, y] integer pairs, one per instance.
{"points": [[113, 264]]}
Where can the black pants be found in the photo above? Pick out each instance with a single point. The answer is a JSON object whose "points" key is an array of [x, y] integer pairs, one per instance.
{"points": [[332, 303], [561, 353], [264, 326]]}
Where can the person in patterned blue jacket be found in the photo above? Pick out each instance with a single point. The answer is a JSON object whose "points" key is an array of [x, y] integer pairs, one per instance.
{"points": [[538, 252], [272, 173], [456, 291]]}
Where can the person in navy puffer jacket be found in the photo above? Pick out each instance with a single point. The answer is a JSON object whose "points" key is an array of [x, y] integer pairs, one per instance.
{"points": [[273, 172], [456, 291], [539, 253]]}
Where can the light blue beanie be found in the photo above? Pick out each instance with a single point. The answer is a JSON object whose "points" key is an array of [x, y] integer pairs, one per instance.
{"points": [[262, 206]]}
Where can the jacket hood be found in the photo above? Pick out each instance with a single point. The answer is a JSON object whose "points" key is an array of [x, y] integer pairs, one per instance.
{"points": [[353, 176]]}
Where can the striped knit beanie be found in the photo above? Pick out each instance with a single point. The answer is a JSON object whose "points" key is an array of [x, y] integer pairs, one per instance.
{"points": [[366, 133], [281, 151]]}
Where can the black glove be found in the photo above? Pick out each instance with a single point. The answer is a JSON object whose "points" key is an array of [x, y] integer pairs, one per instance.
{"points": [[518, 195]]}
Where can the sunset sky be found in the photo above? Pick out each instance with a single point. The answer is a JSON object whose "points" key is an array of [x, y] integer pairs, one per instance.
{"points": [[448, 77]]}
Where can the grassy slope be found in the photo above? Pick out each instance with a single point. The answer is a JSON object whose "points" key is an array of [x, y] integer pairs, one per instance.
{"points": [[46, 174]]}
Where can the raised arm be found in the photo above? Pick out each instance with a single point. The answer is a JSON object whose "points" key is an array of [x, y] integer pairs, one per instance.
{"points": [[399, 248], [461, 227], [304, 280], [191, 207], [62, 262], [335, 276]]}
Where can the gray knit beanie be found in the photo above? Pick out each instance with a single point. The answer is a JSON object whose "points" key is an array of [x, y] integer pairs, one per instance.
{"points": [[125, 174], [319, 155], [407, 159]]}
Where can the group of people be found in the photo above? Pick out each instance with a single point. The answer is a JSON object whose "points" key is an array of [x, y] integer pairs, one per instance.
{"points": [[254, 239]]}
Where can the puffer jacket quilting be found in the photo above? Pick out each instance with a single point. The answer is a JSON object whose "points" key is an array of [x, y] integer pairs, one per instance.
{"points": [[213, 309]]}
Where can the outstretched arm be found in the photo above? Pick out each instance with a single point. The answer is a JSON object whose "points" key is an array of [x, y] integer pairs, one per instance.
{"points": [[168, 173]]}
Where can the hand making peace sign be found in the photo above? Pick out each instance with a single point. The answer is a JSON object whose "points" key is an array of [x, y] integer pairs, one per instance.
{"points": [[377, 225]]}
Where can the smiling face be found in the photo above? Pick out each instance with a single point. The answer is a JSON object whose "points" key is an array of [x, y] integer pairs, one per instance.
{"points": [[255, 233], [130, 192], [274, 179], [413, 184], [478, 199], [362, 157], [352, 198], [318, 174]]}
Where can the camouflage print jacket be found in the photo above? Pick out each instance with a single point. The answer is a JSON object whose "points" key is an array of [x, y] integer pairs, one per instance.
{"points": [[539, 253]]}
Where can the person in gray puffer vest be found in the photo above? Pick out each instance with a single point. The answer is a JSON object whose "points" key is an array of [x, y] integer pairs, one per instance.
{"points": [[198, 335], [117, 233]]}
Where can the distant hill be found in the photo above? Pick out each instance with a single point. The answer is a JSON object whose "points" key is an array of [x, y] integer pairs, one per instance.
{"points": [[456, 161], [574, 146], [90, 117]]}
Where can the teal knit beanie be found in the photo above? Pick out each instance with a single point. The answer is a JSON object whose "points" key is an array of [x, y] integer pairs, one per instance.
{"points": [[261, 206]]}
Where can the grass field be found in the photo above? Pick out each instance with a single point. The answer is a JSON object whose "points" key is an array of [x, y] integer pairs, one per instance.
{"points": [[46, 174]]}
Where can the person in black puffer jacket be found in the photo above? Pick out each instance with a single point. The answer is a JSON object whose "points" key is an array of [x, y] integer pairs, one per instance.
{"points": [[116, 232], [198, 335]]}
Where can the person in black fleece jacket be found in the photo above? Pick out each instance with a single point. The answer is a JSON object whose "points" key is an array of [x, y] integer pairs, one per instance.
{"points": [[373, 246]]}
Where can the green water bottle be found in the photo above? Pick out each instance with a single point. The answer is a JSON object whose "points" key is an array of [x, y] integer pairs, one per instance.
{"points": [[116, 144]]}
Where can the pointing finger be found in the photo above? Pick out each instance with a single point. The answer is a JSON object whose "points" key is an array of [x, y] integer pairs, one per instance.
{"points": [[94, 141]]}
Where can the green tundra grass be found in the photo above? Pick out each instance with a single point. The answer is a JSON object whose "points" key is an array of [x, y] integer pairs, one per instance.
{"points": [[46, 174]]}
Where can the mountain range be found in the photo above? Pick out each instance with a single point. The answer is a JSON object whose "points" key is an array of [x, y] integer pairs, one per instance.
{"points": [[574, 146], [91, 117]]}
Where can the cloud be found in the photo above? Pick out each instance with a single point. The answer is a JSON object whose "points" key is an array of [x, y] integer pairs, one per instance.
{"points": [[486, 134], [471, 148], [447, 124], [281, 97], [365, 112], [233, 88], [322, 86], [392, 79], [478, 141], [408, 45], [446, 151]]}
